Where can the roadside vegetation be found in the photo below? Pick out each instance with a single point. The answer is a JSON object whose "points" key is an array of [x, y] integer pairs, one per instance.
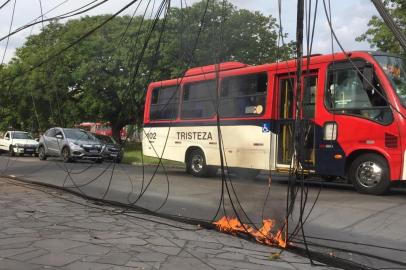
{"points": [[132, 155], [378, 34], [103, 78]]}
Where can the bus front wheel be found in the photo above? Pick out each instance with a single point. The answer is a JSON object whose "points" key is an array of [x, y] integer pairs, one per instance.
{"points": [[196, 164], [370, 174]]}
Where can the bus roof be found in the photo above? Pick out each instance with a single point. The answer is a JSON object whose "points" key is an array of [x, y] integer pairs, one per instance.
{"points": [[288, 64], [214, 68]]}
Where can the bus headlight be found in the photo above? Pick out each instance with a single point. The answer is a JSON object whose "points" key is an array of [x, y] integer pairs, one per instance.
{"points": [[330, 131]]}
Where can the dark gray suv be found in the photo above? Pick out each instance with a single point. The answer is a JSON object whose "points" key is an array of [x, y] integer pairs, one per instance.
{"points": [[70, 144]]}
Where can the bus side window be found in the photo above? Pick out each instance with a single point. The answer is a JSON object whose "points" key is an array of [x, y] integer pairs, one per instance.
{"points": [[154, 98], [243, 96], [345, 94], [164, 103], [199, 100]]}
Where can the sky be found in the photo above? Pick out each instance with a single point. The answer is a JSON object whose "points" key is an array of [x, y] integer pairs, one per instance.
{"points": [[350, 19]]}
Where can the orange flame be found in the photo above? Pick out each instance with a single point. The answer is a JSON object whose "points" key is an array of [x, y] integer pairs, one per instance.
{"points": [[263, 235]]}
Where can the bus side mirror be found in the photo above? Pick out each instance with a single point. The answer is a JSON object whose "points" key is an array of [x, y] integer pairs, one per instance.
{"points": [[368, 79]]}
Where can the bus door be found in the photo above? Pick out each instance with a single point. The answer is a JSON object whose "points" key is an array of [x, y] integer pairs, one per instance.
{"points": [[307, 140], [286, 115], [284, 142]]}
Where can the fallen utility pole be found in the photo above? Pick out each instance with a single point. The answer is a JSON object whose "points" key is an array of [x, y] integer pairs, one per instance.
{"points": [[390, 23]]}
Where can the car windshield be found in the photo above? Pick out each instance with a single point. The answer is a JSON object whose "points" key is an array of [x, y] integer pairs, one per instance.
{"points": [[22, 135], [395, 70], [77, 134], [105, 139]]}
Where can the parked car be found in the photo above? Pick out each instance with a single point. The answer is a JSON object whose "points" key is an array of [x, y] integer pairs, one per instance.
{"points": [[111, 149], [71, 144], [18, 142]]}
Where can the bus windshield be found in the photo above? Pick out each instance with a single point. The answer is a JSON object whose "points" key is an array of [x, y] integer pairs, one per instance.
{"points": [[395, 68]]}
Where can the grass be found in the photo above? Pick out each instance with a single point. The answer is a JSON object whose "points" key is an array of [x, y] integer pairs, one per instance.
{"points": [[132, 154]]}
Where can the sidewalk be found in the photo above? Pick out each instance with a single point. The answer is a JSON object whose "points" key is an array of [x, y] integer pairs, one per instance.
{"points": [[57, 230]]}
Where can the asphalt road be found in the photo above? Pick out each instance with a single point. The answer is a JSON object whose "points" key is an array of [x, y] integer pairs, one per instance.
{"points": [[368, 230]]}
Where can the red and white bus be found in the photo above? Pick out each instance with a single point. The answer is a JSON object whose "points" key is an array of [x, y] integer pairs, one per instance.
{"points": [[353, 117]]}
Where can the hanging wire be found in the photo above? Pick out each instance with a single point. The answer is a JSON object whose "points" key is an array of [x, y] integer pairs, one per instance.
{"points": [[9, 30]]}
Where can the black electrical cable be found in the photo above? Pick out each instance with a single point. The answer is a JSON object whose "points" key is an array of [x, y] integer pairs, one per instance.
{"points": [[1, 64], [300, 137], [231, 198], [390, 23], [9, 30], [223, 161], [45, 69], [140, 57], [160, 157], [5, 3], [91, 181], [294, 194], [291, 190], [190, 60], [355, 66], [355, 243], [349, 59], [122, 36], [82, 185], [144, 190], [361, 253], [77, 41], [129, 23], [59, 17], [66, 170], [32, 185], [47, 12]]}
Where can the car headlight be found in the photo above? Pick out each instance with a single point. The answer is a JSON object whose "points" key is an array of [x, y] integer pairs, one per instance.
{"points": [[18, 145], [74, 145]]}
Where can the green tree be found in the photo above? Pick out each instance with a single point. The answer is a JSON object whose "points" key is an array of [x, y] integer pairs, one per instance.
{"points": [[379, 35], [104, 77]]}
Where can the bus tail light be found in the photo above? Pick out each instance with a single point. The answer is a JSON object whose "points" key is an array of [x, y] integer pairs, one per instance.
{"points": [[330, 131]]}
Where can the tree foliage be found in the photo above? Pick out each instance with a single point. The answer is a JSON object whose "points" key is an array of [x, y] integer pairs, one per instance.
{"points": [[104, 77], [379, 35]]}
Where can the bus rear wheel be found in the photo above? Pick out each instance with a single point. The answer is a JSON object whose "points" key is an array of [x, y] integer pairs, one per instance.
{"points": [[196, 164], [370, 174]]}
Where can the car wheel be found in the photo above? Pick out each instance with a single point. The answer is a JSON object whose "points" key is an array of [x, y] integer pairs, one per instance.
{"points": [[41, 153], [370, 174], [66, 155], [196, 164], [11, 151]]}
